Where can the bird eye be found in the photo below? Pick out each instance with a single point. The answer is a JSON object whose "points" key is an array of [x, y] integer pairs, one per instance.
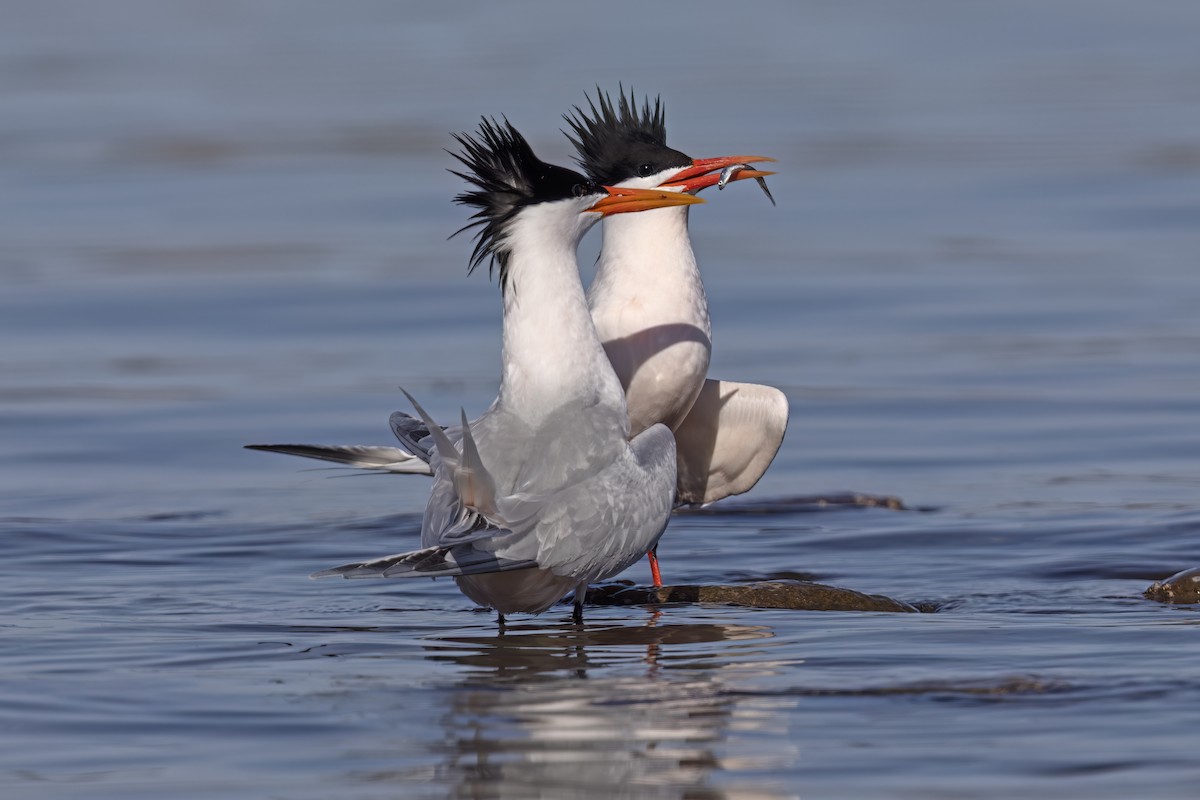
{"points": [[646, 169], [579, 189]]}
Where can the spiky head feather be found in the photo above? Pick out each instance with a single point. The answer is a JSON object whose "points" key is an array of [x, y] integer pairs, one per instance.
{"points": [[616, 141], [507, 177]]}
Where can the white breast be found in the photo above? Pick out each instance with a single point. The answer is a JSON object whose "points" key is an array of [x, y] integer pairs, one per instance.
{"points": [[650, 311]]}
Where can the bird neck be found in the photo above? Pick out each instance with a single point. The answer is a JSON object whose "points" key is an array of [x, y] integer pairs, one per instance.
{"points": [[647, 275], [552, 355]]}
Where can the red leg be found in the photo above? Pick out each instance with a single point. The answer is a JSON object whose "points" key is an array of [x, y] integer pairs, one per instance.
{"points": [[654, 573]]}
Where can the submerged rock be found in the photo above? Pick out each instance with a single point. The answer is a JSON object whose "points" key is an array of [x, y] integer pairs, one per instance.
{"points": [[798, 503], [1182, 587], [799, 595]]}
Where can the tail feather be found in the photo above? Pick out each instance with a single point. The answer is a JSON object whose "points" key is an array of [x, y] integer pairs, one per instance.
{"points": [[474, 483], [445, 447], [383, 459], [428, 562]]}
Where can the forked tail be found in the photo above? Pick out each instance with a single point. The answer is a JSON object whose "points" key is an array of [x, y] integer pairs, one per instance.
{"points": [[474, 485]]}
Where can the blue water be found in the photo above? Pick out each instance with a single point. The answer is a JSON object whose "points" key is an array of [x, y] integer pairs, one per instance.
{"points": [[225, 223]]}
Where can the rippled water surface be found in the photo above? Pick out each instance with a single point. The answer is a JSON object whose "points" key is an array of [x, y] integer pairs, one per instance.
{"points": [[225, 223]]}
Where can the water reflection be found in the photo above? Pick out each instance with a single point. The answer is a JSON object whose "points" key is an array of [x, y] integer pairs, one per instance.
{"points": [[607, 712]]}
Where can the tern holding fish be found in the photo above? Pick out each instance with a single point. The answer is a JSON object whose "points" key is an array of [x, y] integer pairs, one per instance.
{"points": [[547, 491], [651, 312]]}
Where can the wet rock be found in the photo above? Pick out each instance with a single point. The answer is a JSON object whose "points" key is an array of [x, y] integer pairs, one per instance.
{"points": [[799, 595], [1182, 587]]}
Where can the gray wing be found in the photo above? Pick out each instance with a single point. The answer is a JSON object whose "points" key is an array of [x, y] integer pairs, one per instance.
{"points": [[570, 446], [601, 526], [728, 439], [383, 459]]}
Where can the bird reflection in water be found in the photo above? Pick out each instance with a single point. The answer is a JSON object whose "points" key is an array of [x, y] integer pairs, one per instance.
{"points": [[610, 711]]}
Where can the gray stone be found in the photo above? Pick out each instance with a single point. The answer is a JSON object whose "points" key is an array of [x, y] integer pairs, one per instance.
{"points": [[797, 504]]}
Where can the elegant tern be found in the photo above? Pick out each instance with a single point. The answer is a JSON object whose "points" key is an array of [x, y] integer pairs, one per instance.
{"points": [[648, 303]]}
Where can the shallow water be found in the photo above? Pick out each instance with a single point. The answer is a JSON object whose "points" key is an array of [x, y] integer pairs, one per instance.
{"points": [[225, 224]]}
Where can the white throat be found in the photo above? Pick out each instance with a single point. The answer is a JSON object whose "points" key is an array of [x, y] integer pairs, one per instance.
{"points": [[648, 256], [552, 355]]}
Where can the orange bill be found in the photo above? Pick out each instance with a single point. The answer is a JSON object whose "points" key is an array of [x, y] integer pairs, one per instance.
{"points": [[705, 172], [623, 201]]}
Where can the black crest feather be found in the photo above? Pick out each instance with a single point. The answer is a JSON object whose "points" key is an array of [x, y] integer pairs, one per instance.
{"points": [[507, 176], [618, 141]]}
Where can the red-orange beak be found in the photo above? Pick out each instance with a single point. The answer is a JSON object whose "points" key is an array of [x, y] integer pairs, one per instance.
{"points": [[624, 201], [705, 172]]}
